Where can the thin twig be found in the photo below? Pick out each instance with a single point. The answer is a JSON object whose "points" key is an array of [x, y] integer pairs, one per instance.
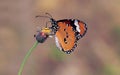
{"points": [[26, 57]]}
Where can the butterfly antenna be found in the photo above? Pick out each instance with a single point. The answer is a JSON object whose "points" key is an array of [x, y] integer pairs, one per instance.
{"points": [[49, 15], [42, 16]]}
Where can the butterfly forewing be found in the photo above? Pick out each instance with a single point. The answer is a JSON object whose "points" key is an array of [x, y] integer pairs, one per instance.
{"points": [[83, 28]]}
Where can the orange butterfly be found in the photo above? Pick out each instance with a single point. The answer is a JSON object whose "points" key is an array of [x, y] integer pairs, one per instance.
{"points": [[67, 32]]}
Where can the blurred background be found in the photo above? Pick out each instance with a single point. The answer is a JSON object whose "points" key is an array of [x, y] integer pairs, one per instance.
{"points": [[98, 52]]}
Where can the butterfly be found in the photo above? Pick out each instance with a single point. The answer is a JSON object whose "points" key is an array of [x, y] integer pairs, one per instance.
{"points": [[67, 32]]}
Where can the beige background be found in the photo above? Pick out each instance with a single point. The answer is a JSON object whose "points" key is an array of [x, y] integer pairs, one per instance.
{"points": [[98, 53]]}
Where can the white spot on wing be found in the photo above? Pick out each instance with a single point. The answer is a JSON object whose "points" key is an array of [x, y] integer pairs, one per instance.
{"points": [[57, 43], [77, 25], [50, 36]]}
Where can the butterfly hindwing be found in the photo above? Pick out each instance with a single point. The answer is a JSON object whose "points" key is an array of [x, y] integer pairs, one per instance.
{"points": [[65, 36]]}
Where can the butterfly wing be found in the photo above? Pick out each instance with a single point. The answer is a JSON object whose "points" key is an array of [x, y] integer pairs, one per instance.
{"points": [[65, 36], [80, 28], [68, 33]]}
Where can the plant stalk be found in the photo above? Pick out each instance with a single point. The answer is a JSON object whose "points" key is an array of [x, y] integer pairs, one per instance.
{"points": [[26, 58]]}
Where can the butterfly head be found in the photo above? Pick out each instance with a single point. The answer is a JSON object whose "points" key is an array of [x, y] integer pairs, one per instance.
{"points": [[51, 20]]}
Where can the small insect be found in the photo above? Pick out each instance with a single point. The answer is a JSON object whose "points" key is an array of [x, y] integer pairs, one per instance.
{"points": [[67, 32]]}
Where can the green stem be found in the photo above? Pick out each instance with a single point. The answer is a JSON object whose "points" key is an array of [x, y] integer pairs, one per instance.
{"points": [[26, 57]]}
